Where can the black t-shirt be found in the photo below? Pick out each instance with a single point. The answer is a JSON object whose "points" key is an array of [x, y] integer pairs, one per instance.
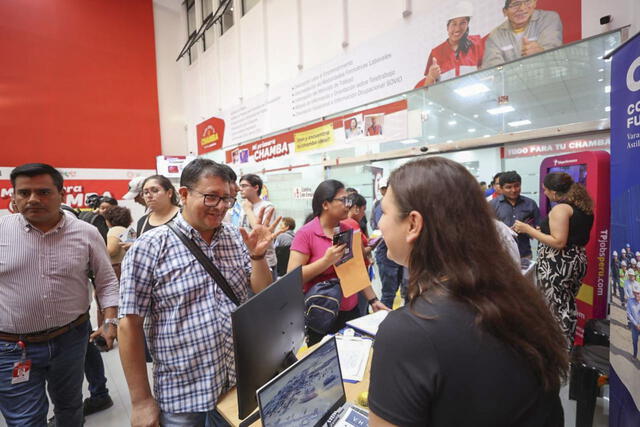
{"points": [[580, 225], [143, 224], [447, 372]]}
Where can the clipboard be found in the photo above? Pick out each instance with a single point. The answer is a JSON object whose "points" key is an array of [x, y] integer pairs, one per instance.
{"points": [[353, 273]]}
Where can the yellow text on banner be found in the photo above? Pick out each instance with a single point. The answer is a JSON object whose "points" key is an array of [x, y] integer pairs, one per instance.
{"points": [[312, 139]]}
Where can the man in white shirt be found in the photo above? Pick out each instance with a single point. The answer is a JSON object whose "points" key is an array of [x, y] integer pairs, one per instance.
{"points": [[250, 190]]}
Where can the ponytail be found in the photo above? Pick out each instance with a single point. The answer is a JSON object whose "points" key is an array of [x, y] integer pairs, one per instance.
{"points": [[464, 44], [578, 196]]}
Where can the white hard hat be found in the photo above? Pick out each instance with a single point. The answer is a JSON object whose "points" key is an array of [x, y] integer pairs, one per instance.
{"points": [[623, 263], [135, 188], [615, 253], [623, 251], [461, 10], [631, 272], [637, 253], [628, 245], [633, 261], [383, 182]]}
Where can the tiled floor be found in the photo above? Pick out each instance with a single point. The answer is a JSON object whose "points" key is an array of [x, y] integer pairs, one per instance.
{"points": [[118, 415]]}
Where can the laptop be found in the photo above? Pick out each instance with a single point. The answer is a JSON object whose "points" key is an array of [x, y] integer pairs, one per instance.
{"points": [[310, 393]]}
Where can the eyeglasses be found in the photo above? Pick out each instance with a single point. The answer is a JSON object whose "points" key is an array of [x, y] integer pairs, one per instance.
{"points": [[345, 200], [516, 4], [213, 200]]}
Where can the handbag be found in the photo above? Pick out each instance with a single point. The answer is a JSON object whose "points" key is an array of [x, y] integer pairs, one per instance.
{"points": [[322, 305], [206, 263]]}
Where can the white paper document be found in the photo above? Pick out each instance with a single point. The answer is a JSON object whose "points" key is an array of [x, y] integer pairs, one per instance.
{"points": [[369, 324], [354, 355]]}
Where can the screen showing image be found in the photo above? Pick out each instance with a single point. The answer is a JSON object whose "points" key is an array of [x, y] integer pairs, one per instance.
{"points": [[577, 172], [306, 392]]}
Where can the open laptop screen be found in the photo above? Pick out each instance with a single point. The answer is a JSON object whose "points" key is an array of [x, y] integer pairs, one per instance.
{"points": [[307, 393]]}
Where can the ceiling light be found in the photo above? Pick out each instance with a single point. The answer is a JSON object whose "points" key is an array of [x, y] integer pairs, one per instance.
{"points": [[519, 123], [472, 90], [600, 80], [607, 108], [410, 141], [486, 136], [475, 116], [601, 70], [449, 141], [432, 137], [501, 110], [452, 123], [607, 89], [471, 130]]}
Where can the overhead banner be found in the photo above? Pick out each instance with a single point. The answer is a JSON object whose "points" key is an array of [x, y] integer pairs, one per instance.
{"points": [[379, 124], [513, 151], [625, 211], [312, 139], [210, 135], [416, 53]]}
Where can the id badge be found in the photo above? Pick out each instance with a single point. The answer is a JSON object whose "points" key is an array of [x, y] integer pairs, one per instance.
{"points": [[20, 372]]}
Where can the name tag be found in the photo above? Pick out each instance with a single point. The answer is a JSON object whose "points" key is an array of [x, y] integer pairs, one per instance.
{"points": [[20, 372]]}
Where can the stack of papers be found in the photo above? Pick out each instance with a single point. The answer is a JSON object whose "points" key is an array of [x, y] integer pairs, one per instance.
{"points": [[354, 355], [369, 324]]}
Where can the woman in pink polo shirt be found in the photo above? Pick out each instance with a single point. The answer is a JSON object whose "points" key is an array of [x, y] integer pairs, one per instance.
{"points": [[313, 248]]}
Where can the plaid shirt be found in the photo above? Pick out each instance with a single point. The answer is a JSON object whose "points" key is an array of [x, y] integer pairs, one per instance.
{"points": [[189, 316]]}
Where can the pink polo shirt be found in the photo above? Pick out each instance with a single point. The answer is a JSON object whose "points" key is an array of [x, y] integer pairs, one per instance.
{"points": [[311, 240]]}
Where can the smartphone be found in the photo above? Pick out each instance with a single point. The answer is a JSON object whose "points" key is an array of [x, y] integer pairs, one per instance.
{"points": [[100, 342], [342, 238]]}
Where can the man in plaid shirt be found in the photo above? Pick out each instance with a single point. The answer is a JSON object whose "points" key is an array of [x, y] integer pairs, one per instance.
{"points": [[189, 322]]}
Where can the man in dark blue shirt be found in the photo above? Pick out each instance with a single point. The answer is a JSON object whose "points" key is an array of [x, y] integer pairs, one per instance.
{"points": [[511, 206]]}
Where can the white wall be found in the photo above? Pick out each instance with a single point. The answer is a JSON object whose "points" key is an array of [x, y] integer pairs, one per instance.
{"points": [[623, 12], [169, 33]]}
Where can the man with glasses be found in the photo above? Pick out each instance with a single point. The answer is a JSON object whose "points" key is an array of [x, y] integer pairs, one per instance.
{"points": [[526, 31], [250, 190], [189, 333]]}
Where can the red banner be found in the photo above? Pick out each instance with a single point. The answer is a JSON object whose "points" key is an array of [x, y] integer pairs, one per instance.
{"points": [[210, 134], [76, 191]]}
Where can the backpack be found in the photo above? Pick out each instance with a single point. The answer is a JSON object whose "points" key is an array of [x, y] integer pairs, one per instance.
{"points": [[322, 305], [97, 221]]}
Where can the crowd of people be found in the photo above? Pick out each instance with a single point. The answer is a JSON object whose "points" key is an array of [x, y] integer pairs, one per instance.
{"points": [[625, 285], [456, 266]]}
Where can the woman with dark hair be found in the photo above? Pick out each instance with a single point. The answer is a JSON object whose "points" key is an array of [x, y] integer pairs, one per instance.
{"points": [[313, 249], [105, 202], [476, 345], [562, 259], [459, 54], [118, 220], [161, 199]]}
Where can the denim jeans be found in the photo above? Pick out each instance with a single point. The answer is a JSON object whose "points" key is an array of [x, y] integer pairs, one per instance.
{"points": [[58, 364], [94, 371], [193, 419], [634, 338], [391, 277]]}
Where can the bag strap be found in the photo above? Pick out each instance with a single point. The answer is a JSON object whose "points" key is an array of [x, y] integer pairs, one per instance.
{"points": [[206, 263]]}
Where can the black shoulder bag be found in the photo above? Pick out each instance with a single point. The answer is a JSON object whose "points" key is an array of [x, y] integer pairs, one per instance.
{"points": [[206, 263]]}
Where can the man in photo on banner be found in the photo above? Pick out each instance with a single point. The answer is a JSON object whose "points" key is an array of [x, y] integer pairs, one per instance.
{"points": [[526, 31]]}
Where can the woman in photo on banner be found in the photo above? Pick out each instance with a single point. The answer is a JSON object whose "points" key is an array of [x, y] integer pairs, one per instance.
{"points": [[459, 54]]}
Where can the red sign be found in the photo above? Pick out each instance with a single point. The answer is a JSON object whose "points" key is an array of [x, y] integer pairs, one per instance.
{"points": [[513, 151], [259, 151], [210, 134], [76, 191]]}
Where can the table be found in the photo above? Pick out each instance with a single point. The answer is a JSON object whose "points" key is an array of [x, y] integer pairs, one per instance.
{"points": [[228, 402]]}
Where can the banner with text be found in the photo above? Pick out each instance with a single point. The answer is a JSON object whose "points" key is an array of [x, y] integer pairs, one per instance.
{"points": [[625, 211], [416, 53], [210, 135]]}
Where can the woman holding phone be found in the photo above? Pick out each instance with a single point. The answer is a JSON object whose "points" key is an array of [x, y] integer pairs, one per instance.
{"points": [[313, 249]]}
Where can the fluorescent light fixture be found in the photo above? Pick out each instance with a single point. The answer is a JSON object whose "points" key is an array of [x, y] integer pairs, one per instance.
{"points": [[486, 136], [501, 110], [432, 137], [607, 89], [601, 70], [472, 90], [471, 130], [607, 108], [449, 141], [475, 116], [410, 141], [519, 123], [600, 80], [452, 123]]}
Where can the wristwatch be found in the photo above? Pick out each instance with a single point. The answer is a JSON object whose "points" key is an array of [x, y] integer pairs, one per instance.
{"points": [[113, 322]]}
